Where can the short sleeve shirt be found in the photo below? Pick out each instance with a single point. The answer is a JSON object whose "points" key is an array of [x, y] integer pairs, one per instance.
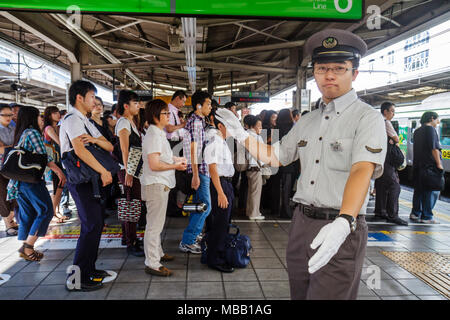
{"points": [[328, 141], [425, 141], [74, 125], [174, 120], [390, 129], [7, 134], [217, 151], [155, 141]]}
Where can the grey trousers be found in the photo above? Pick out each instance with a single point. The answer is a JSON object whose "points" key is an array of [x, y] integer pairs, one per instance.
{"points": [[254, 193], [337, 280]]}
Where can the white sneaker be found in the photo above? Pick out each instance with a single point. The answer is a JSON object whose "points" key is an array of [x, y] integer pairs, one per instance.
{"points": [[432, 221], [261, 217], [190, 248]]}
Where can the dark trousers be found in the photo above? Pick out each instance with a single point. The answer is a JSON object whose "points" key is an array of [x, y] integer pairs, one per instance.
{"points": [[90, 213], [387, 193], [217, 224], [339, 279]]}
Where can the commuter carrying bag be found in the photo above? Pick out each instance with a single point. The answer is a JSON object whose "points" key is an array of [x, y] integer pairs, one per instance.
{"points": [[129, 210], [22, 165], [237, 249], [432, 178]]}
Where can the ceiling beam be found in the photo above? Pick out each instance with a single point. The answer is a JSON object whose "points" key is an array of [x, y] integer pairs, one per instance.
{"points": [[45, 30]]}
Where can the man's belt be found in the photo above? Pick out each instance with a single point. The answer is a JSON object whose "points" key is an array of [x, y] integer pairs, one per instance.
{"points": [[255, 169], [229, 179], [319, 213]]}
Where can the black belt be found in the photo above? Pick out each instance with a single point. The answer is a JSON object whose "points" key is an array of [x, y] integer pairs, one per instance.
{"points": [[320, 213], [229, 179], [256, 169]]}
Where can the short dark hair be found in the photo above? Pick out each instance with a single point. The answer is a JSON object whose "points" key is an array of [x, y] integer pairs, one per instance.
{"points": [[428, 117], [4, 106], [125, 97], [80, 87], [15, 105], [98, 98], [251, 120], [228, 105], [179, 93], [199, 97], [153, 110], [305, 112], [386, 106], [215, 120], [295, 113]]}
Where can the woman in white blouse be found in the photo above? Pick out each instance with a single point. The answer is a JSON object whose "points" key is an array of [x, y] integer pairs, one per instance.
{"points": [[157, 179]]}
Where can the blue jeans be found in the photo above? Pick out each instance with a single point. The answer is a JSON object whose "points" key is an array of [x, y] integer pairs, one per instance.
{"points": [[423, 203], [197, 220], [35, 209]]}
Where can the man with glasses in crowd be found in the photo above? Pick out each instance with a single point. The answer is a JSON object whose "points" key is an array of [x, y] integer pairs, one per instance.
{"points": [[341, 146]]}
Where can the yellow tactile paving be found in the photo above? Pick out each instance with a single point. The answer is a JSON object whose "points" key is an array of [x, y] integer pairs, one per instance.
{"points": [[432, 268]]}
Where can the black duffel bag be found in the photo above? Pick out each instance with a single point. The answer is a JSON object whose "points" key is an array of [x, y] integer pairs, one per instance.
{"points": [[22, 165], [432, 178]]}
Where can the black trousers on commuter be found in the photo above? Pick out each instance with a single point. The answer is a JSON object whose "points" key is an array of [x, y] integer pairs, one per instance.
{"points": [[217, 224], [90, 213], [387, 188]]}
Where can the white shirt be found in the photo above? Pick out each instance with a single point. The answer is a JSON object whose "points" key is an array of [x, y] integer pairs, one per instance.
{"points": [[155, 141], [174, 120], [124, 123], [217, 151], [328, 141], [252, 162], [73, 126]]}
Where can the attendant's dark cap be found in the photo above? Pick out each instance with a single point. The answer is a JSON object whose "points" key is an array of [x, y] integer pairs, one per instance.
{"points": [[334, 45]]}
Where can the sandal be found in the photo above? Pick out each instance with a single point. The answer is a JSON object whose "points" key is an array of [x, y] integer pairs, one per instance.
{"points": [[11, 232], [58, 219], [33, 256]]}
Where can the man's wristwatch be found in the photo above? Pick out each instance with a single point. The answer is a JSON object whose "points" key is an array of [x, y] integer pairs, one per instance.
{"points": [[351, 220]]}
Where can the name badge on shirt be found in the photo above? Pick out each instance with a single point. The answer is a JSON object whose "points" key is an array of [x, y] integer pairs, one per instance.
{"points": [[336, 146]]}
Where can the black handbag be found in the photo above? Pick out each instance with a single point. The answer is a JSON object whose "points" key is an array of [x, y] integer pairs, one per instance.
{"points": [[22, 165], [394, 156], [237, 249], [432, 178]]}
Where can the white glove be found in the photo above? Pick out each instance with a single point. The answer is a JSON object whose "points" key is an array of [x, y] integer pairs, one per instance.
{"points": [[231, 122], [330, 239]]}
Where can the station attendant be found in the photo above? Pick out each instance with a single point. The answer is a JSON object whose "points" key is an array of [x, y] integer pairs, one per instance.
{"points": [[341, 146]]}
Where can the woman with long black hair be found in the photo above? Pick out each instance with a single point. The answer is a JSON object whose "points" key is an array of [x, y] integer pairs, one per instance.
{"points": [[35, 204], [52, 144]]}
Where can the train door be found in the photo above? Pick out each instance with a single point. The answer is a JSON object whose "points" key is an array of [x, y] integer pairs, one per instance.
{"points": [[444, 134]]}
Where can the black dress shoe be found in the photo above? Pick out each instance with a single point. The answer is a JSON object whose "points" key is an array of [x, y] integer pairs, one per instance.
{"points": [[378, 217], [398, 221], [100, 274], [135, 251], [222, 268], [89, 285]]}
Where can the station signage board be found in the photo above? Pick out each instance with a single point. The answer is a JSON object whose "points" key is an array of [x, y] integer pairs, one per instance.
{"points": [[144, 95], [250, 97], [345, 10]]}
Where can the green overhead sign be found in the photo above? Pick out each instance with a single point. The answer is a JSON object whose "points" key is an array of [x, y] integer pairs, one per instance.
{"points": [[307, 9]]}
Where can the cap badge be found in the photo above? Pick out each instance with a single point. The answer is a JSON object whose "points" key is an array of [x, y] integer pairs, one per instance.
{"points": [[330, 42]]}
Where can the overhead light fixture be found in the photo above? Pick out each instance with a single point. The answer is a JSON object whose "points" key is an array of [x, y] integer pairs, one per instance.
{"points": [[189, 26]]}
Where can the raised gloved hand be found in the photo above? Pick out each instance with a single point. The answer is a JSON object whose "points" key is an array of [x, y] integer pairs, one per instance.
{"points": [[330, 239], [231, 122]]}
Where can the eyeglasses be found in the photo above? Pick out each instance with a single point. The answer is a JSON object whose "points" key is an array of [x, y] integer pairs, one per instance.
{"points": [[7, 115], [335, 70], [166, 113]]}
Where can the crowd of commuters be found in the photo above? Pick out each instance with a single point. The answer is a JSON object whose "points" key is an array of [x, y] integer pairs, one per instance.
{"points": [[195, 148]]}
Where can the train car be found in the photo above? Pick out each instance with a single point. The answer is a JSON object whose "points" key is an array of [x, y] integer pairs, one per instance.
{"points": [[407, 119]]}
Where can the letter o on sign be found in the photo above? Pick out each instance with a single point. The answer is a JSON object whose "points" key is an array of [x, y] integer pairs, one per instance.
{"points": [[338, 7]]}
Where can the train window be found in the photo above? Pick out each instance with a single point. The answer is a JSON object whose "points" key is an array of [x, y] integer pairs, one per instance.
{"points": [[395, 125], [445, 132]]}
